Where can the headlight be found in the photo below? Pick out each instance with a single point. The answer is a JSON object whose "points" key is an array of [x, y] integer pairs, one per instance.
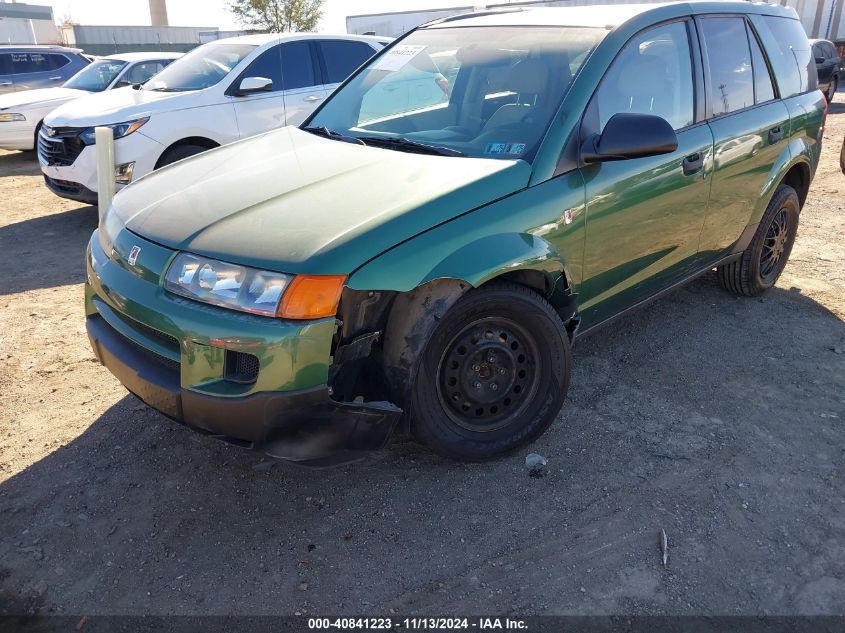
{"points": [[8, 117], [110, 226], [251, 290], [119, 130]]}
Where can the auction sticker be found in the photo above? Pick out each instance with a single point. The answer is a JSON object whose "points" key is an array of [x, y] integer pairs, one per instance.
{"points": [[397, 57], [504, 149]]}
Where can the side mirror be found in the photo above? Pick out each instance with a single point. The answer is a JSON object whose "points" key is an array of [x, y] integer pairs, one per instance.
{"points": [[123, 83], [251, 85], [628, 135]]}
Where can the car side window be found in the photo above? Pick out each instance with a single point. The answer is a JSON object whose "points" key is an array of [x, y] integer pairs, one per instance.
{"points": [[652, 75], [5, 64], [731, 80], [30, 63], [341, 58], [56, 61], [763, 88], [789, 53], [269, 66], [141, 72], [298, 66]]}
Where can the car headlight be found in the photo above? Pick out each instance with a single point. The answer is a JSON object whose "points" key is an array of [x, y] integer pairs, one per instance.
{"points": [[8, 117], [252, 290], [119, 130], [110, 225]]}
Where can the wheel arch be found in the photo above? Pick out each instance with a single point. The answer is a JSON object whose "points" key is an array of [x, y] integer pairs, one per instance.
{"points": [[202, 141]]}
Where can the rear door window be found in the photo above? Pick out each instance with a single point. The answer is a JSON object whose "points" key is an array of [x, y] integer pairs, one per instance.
{"points": [[5, 64], [763, 88], [341, 58], [730, 77], [298, 66]]}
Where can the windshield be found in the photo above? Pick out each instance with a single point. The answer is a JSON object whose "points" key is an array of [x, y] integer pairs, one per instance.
{"points": [[201, 68], [485, 92], [97, 76]]}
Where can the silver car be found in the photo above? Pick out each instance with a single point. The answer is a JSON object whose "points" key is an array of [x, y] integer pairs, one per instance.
{"points": [[28, 66]]}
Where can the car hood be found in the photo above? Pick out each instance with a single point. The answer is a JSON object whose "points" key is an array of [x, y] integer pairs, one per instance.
{"points": [[39, 97], [116, 106], [290, 201]]}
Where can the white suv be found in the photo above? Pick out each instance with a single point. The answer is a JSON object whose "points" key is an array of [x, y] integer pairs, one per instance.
{"points": [[217, 93]]}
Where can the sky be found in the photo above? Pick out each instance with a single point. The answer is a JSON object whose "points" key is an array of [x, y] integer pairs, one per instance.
{"points": [[214, 12]]}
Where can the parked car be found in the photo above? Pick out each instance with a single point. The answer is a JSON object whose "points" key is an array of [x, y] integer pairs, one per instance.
{"points": [[21, 113], [828, 66], [302, 290], [217, 93], [28, 67]]}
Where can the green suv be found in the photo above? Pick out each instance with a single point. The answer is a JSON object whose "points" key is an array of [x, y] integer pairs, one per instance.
{"points": [[425, 262]]}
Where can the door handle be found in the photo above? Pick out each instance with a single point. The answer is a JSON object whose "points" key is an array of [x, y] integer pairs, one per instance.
{"points": [[693, 163], [55, 78], [5, 83], [312, 98], [775, 135]]}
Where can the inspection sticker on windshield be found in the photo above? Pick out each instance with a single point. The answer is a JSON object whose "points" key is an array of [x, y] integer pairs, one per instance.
{"points": [[397, 57], [505, 149]]}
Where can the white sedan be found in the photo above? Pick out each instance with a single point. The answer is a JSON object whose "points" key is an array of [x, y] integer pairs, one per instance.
{"points": [[21, 113]]}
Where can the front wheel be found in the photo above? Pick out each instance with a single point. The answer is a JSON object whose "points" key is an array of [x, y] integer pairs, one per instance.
{"points": [[179, 152], [493, 375], [764, 259]]}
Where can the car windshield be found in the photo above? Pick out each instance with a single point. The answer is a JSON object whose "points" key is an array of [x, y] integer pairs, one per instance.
{"points": [[97, 76], [201, 68], [485, 92]]}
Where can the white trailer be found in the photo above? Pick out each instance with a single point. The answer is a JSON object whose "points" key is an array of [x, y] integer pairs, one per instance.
{"points": [[823, 19]]}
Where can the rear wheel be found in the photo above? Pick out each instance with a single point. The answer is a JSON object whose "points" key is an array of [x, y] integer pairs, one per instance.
{"points": [[763, 261], [178, 153], [493, 375]]}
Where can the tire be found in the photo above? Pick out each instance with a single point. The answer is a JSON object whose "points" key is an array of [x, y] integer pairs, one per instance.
{"points": [[832, 88], [179, 152], [505, 335], [763, 261]]}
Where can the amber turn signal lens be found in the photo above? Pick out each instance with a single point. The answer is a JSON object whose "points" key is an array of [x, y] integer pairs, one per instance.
{"points": [[312, 297]]}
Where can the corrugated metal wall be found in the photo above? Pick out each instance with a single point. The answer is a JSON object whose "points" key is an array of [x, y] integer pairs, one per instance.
{"points": [[107, 40]]}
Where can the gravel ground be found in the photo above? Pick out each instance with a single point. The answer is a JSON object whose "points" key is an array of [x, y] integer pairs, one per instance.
{"points": [[717, 419]]}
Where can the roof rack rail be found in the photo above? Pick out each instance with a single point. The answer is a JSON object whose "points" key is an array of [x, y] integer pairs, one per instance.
{"points": [[472, 14]]}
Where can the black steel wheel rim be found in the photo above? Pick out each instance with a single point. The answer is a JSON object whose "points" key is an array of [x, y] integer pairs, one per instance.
{"points": [[775, 245], [488, 374]]}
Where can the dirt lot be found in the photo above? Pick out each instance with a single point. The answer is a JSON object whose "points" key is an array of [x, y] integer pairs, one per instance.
{"points": [[718, 419]]}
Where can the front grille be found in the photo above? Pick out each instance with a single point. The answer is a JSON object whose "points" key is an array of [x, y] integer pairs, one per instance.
{"points": [[171, 343], [157, 358], [241, 367], [59, 145]]}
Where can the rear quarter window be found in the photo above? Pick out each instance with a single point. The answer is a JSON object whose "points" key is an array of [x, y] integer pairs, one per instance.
{"points": [[789, 52]]}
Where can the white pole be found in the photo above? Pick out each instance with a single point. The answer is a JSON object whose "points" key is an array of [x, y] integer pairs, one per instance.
{"points": [[104, 144]]}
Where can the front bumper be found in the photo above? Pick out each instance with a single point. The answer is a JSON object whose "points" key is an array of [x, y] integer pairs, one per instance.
{"points": [[175, 354], [137, 148], [17, 135], [304, 426]]}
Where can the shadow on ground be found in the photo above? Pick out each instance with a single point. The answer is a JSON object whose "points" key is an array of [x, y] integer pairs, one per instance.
{"points": [[45, 251], [712, 417], [19, 164]]}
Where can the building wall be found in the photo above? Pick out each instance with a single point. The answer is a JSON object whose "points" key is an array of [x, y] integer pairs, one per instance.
{"points": [[108, 40], [22, 23]]}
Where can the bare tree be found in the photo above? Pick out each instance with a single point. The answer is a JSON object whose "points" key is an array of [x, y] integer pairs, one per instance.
{"points": [[277, 16]]}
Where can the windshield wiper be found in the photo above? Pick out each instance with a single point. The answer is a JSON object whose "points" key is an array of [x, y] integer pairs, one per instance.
{"points": [[407, 144], [164, 89], [327, 133]]}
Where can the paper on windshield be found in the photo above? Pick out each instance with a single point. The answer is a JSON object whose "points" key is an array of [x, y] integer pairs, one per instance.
{"points": [[397, 57]]}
